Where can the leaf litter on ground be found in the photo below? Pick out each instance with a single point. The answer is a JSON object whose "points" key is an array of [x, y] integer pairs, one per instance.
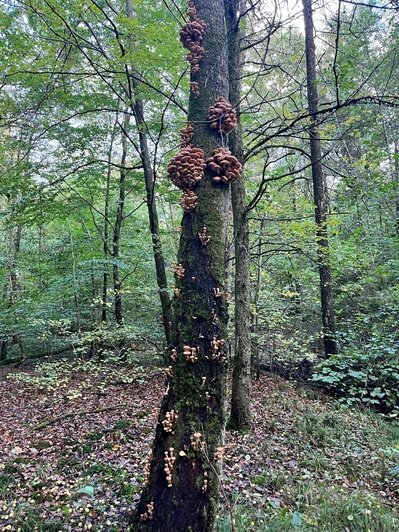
{"points": [[74, 437]]}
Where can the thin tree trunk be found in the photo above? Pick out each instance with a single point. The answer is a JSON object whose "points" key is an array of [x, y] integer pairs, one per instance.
{"points": [[118, 226], [181, 490], [256, 299], [240, 414], [3, 349], [106, 229], [323, 250], [75, 282], [149, 178], [15, 246], [396, 178]]}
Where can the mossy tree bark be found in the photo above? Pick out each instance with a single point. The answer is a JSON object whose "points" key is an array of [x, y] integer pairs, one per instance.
{"points": [[321, 207], [240, 413], [196, 390]]}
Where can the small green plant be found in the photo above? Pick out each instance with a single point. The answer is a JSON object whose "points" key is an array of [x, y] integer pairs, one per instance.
{"points": [[122, 424], [369, 377]]}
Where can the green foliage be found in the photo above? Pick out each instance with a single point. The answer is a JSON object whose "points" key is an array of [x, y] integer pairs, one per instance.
{"points": [[317, 510], [369, 377]]}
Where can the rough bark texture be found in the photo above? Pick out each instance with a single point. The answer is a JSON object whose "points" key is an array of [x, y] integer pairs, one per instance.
{"points": [[196, 391], [240, 414], [149, 179], [323, 251]]}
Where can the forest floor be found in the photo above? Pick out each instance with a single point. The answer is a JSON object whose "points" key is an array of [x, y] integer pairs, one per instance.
{"points": [[73, 440]]}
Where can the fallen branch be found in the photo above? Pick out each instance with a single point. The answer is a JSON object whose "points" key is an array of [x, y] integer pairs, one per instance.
{"points": [[61, 417], [18, 361]]}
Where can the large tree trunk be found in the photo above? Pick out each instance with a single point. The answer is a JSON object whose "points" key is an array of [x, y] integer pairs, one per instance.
{"points": [[149, 178], [323, 250], [189, 435], [240, 415]]}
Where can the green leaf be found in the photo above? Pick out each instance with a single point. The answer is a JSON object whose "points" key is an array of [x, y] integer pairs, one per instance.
{"points": [[296, 520], [87, 490]]}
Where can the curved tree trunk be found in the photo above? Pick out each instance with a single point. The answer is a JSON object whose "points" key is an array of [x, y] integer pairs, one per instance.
{"points": [[323, 250], [240, 414], [189, 434]]}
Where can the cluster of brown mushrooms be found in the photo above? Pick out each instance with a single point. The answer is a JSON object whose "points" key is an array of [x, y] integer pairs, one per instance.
{"points": [[169, 421], [194, 88], [186, 135], [147, 468], [216, 348], [224, 166], [169, 464], [191, 36], [204, 236], [190, 354], [196, 443], [186, 169], [188, 200], [222, 116], [146, 516], [179, 270]]}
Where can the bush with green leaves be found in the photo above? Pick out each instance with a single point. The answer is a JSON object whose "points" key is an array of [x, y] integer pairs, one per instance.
{"points": [[369, 377]]}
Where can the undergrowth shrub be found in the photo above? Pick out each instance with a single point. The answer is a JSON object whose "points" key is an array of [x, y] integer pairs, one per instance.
{"points": [[369, 377]]}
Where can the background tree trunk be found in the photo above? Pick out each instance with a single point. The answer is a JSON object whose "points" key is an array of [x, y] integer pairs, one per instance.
{"points": [[149, 179], [196, 391], [323, 250], [240, 414], [106, 227], [118, 225]]}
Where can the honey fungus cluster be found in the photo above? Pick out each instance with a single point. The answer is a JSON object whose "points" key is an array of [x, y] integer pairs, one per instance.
{"points": [[169, 421], [188, 200], [190, 354], [222, 116], [186, 169], [196, 443], [186, 135], [194, 88], [146, 516], [191, 36], [169, 464], [225, 167]]}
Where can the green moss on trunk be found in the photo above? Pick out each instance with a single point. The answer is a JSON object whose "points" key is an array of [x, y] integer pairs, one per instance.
{"points": [[196, 390]]}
